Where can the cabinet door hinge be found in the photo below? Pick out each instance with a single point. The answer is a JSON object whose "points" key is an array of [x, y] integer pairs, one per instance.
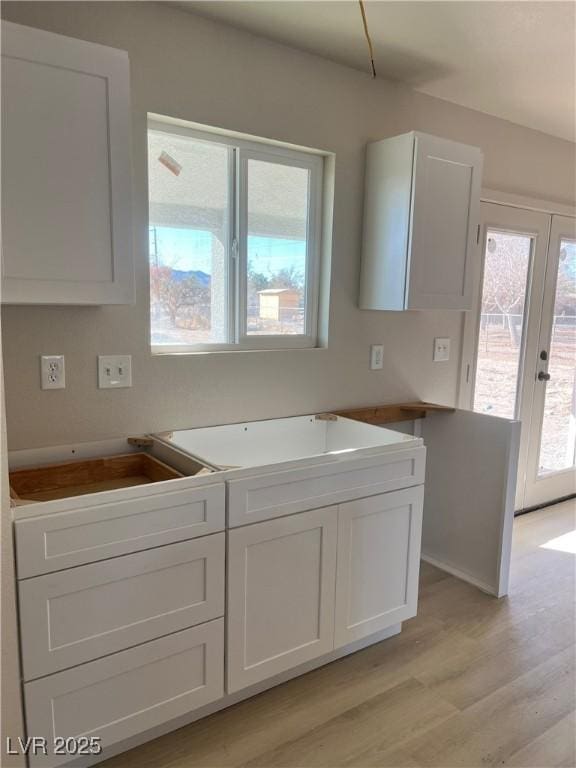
{"points": [[478, 234]]}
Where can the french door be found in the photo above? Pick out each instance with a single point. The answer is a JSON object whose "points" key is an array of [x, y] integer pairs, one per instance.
{"points": [[519, 348]]}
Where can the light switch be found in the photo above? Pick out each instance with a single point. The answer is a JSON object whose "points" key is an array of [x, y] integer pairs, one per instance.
{"points": [[441, 350], [52, 372], [114, 371], [376, 357]]}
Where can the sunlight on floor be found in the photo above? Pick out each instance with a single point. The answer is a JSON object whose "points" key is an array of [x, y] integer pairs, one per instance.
{"points": [[564, 543]]}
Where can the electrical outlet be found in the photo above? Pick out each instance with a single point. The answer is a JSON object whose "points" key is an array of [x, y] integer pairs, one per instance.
{"points": [[114, 371], [376, 357], [52, 372], [441, 350]]}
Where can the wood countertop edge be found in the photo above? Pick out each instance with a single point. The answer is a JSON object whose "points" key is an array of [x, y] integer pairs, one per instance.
{"points": [[389, 413]]}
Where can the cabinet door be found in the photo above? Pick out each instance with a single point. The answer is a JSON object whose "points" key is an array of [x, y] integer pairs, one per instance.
{"points": [[66, 174], [281, 579], [378, 563], [445, 218]]}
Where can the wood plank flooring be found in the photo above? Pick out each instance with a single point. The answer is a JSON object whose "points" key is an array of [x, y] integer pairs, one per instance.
{"points": [[470, 682]]}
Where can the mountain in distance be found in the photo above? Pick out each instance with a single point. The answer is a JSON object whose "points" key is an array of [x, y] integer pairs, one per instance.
{"points": [[181, 274]]}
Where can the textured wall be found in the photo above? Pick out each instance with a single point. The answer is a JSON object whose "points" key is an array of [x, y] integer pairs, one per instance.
{"points": [[191, 68]]}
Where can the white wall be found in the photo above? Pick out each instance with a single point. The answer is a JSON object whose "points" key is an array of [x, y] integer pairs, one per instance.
{"points": [[191, 68]]}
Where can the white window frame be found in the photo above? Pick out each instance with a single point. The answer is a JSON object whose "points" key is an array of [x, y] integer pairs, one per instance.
{"points": [[240, 151]]}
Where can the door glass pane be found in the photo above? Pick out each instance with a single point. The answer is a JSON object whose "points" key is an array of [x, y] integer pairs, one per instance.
{"points": [[557, 444], [189, 224], [500, 342], [277, 244]]}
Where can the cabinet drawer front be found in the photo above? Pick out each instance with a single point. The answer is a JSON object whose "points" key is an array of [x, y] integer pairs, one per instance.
{"points": [[281, 577], [80, 614], [92, 532], [128, 693], [378, 563], [263, 497]]}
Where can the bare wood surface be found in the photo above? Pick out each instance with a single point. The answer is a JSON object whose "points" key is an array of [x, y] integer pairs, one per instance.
{"points": [[471, 682], [77, 478], [388, 414]]}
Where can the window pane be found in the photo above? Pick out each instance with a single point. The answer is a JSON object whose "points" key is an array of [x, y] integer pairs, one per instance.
{"points": [[277, 245], [188, 192], [507, 259], [558, 439]]}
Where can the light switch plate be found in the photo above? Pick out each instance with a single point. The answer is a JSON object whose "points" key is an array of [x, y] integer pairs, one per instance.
{"points": [[52, 372], [114, 371], [441, 350], [376, 357]]}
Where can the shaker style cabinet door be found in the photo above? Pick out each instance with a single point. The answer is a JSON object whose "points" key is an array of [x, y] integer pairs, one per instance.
{"points": [[66, 171], [281, 578], [445, 219], [378, 563]]}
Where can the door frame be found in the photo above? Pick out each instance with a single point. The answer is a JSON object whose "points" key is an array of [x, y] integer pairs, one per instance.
{"points": [[538, 488], [529, 216]]}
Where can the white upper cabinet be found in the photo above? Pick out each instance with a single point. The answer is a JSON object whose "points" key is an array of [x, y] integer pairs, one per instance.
{"points": [[421, 215], [66, 171]]}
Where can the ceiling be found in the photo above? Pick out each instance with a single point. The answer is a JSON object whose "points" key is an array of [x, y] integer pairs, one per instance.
{"points": [[512, 59]]}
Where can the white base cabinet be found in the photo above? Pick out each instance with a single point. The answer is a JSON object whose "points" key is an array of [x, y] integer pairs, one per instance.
{"points": [[281, 577], [146, 607], [378, 563]]}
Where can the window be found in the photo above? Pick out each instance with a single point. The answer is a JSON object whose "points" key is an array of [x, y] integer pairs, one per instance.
{"points": [[234, 242]]}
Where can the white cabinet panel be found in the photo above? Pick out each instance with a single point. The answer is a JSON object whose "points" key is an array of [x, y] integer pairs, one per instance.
{"points": [[112, 523], [80, 614], [281, 577], [129, 692], [378, 563], [445, 219], [66, 173], [421, 220], [262, 497], [469, 506]]}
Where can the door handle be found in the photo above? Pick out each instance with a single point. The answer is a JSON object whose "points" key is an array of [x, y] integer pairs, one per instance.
{"points": [[543, 376]]}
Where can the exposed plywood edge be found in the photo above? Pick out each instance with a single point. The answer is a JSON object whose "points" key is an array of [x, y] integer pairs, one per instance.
{"points": [[388, 414], [76, 478]]}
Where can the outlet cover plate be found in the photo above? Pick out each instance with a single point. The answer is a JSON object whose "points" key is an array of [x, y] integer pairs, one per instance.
{"points": [[52, 372], [114, 371], [441, 350], [376, 357]]}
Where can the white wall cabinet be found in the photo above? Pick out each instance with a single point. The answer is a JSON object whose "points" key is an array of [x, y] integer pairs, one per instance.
{"points": [[378, 563], [281, 576], [66, 171], [421, 215]]}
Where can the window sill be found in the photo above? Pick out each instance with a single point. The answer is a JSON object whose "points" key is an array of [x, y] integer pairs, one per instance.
{"points": [[161, 351]]}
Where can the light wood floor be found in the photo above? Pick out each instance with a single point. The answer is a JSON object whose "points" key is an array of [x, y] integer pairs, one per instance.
{"points": [[472, 681]]}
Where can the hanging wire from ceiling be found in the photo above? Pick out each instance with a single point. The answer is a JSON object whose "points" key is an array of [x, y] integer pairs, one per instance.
{"points": [[369, 41]]}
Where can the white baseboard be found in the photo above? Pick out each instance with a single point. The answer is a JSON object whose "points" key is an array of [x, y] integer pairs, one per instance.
{"points": [[462, 575]]}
